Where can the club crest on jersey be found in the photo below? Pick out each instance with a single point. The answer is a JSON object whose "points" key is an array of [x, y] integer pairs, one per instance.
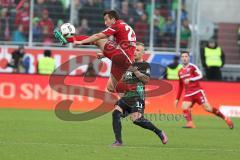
{"points": [[148, 71], [128, 74]]}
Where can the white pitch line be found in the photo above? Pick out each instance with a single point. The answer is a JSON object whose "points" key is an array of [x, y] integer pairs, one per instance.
{"points": [[131, 147]]}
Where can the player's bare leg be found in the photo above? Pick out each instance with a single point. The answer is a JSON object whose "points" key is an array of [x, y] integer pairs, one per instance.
{"points": [[218, 113], [111, 84], [101, 43], [117, 126], [140, 120], [186, 106]]}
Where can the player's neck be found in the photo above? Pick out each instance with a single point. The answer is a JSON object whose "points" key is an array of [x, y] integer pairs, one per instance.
{"points": [[185, 65], [138, 60], [115, 22]]}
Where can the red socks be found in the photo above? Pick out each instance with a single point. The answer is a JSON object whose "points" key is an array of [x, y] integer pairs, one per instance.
{"points": [[123, 87], [187, 114], [218, 113], [78, 38]]}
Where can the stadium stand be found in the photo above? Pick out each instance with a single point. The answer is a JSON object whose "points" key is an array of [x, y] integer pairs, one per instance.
{"points": [[227, 38], [88, 19], [86, 15]]}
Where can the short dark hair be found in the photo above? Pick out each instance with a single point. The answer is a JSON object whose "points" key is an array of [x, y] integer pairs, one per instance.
{"points": [[112, 14], [47, 53], [182, 52], [139, 44]]}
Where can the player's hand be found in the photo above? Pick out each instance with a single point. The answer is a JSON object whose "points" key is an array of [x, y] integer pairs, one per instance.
{"points": [[186, 81], [132, 69], [176, 103]]}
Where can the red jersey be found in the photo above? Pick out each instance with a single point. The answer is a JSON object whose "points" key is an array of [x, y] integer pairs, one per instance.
{"points": [[7, 3], [124, 36], [193, 73], [48, 23], [23, 17]]}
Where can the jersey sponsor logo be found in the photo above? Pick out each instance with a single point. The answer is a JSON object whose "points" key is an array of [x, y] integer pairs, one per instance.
{"points": [[128, 73]]}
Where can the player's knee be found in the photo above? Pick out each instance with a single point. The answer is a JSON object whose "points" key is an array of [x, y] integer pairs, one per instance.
{"points": [[207, 108], [116, 114], [110, 89], [139, 121], [101, 43], [135, 116], [186, 105]]}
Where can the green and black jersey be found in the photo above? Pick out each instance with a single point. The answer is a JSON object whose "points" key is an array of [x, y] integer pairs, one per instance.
{"points": [[130, 78]]}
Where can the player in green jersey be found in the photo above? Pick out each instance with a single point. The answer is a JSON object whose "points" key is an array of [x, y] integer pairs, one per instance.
{"points": [[132, 103]]}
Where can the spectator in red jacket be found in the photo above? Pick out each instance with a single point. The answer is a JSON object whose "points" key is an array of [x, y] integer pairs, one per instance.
{"points": [[141, 28], [7, 3], [47, 25], [22, 17]]}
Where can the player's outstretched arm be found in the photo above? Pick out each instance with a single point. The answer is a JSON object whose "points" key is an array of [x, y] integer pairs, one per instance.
{"points": [[91, 39]]}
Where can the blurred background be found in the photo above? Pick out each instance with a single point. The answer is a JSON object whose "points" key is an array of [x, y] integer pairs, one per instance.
{"points": [[165, 27]]}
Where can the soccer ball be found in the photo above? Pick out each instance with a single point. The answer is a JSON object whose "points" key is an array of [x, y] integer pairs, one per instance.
{"points": [[67, 29]]}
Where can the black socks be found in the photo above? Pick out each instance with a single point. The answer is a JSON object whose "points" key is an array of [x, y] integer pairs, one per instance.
{"points": [[117, 126], [145, 123]]}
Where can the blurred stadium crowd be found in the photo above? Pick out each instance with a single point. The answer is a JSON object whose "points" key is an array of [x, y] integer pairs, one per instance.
{"points": [[87, 17]]}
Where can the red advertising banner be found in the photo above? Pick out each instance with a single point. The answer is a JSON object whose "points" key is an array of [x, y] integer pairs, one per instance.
{"points": [[34, 92], [61, 55]]}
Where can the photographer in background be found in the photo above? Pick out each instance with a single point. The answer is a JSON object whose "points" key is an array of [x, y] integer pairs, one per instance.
{"points": [[19, 62]]}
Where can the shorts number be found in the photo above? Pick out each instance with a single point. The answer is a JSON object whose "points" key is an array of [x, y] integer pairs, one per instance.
{"points": [[131, 34], [139, 105]]}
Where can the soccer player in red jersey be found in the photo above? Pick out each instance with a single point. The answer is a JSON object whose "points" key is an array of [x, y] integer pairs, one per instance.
{"points": [[189, 77], [120, 50]]}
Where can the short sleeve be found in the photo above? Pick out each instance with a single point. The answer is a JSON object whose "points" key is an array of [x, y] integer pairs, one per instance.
{"points": [[109, 31], [148, 70]]}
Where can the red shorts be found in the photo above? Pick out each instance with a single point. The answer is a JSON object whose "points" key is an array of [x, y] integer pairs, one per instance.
{"points": [[120, 60], [198, 98]]}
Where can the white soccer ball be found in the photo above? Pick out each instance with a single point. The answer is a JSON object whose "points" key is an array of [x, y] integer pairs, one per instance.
{"points": [[67, 29]]}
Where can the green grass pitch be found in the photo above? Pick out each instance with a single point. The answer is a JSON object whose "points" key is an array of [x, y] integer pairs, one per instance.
{"points": [[40, 135]]}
